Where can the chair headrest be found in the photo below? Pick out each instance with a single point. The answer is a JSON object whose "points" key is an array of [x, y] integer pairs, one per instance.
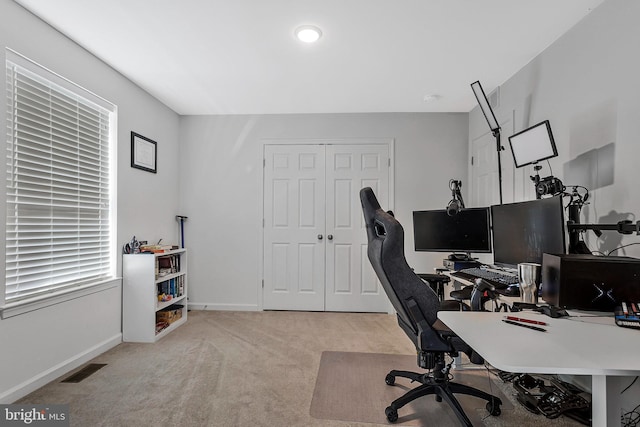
{"points": [[369, 205]]}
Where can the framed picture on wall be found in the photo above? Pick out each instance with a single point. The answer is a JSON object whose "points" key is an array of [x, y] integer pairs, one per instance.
{"points": [[144, 154]]}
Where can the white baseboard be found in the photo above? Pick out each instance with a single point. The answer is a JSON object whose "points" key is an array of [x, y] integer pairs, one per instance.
{"points": [[49, 375], [222, 307]]}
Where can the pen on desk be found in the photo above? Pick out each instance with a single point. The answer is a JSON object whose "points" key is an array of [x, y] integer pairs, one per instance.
{"points": [[520, 319], [535, 328]]}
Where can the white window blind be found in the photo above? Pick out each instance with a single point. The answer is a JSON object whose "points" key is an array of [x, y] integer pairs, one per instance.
{"points": [[59, 206]]}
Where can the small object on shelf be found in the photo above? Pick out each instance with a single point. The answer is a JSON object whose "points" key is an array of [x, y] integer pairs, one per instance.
{"points": [[133, 247], [161, 326], [164, 297], [157, 249], [170, 314]]}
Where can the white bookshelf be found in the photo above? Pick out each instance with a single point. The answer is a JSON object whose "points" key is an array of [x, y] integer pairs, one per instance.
{"points": [[141, 284]]}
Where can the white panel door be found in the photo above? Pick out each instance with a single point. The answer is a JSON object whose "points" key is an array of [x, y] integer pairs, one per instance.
{"points": [[484, 171], [294, 227], [351, 284], [315, 243]]}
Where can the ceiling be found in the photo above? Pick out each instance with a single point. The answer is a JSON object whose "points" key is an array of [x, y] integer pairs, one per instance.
{"points": [[241, 56]]}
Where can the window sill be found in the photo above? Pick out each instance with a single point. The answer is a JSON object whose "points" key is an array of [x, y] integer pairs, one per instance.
{"points": [[26, 306]]}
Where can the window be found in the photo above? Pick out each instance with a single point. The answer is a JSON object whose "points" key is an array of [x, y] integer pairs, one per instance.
{"points": [[60, 210]]}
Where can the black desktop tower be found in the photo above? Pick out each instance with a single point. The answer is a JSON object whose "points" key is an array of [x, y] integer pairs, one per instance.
{"points": [[588, 282]]}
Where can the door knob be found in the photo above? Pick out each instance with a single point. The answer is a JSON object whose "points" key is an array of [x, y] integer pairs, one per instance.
{"points": [[319, 236], [330, 236]]}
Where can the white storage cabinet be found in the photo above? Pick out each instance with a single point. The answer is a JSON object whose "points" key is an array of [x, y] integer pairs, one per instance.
{"points": [[144, 277]]}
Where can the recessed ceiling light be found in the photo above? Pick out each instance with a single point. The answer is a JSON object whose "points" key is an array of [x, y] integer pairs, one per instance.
{"points": [[308, 33]]}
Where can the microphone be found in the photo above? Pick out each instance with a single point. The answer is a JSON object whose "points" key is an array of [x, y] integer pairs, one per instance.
{"points": [[456, 204]]}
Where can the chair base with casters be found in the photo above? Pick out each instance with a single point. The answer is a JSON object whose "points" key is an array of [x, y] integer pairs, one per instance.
{"points": [[437, 383]]}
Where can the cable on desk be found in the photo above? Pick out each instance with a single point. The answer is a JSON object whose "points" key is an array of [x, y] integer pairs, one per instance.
{"points": [[620, 247], [592, 315], [577, 318]]}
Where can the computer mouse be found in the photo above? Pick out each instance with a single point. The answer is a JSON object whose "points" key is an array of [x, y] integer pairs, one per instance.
{"points": [[552, 311]]}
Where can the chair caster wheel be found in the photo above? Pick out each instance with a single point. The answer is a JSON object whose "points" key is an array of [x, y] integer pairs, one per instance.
{"points": [[392, 414], [493, 407], [390, 379]]}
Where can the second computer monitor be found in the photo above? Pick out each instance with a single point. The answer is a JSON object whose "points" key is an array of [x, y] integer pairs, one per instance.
{"points": [[523, 231], [437, 231]]}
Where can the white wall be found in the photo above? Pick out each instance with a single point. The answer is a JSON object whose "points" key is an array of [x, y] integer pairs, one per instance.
{"points": [[221, 169], [586, 84], [40, 345]]}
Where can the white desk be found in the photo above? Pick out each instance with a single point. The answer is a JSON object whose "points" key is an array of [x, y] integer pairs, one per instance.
{"points": [[570, 346]]}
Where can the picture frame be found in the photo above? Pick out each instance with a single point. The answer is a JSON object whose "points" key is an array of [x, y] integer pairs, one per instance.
{"points": [[144, 153]]}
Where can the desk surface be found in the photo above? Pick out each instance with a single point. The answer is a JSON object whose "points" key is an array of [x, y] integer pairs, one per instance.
{"points": [[574, 345]]}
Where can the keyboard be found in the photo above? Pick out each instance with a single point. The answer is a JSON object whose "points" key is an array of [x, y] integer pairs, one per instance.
{"points": [[501, 280]]}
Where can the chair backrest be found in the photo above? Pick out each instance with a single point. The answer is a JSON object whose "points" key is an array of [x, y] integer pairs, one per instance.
{"points": [[385, 250]]}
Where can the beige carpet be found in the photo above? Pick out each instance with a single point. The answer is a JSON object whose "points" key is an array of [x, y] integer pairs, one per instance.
{"points": [[351, 387], [226, 369]]}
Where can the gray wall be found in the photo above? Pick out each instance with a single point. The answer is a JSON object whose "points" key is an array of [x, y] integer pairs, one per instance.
{"points": [[38, 346], [586, 85], [221, 169]]}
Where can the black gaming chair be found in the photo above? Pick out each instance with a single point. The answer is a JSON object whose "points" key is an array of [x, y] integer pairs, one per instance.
{"points": [[416, 305]]}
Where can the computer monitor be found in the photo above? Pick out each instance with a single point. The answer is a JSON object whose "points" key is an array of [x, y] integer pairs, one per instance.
{"points": [[467, 231], [523, 231], [533, 144]]}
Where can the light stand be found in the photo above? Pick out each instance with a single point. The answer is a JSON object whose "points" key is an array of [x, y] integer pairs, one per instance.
{"points": [[483, 102], [577, 246]]}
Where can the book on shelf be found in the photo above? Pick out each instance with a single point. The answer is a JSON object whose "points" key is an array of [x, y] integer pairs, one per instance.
{"points": [[158, 249], [167, 264], [173, 287]]}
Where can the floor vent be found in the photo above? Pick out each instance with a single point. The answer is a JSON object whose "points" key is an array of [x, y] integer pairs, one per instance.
{"points": [[84, 372]]}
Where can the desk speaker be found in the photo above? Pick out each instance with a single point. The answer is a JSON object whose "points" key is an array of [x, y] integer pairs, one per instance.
{"points": [[588, 282]]}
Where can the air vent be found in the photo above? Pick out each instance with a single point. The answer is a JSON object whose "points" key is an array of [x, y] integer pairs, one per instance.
{"points": [[85, 372]]}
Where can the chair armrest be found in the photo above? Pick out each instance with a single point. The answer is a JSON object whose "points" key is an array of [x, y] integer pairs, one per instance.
{"points": [[428, 339], [453, 305]]}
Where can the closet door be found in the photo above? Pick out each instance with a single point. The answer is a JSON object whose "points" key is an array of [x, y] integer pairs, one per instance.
{"points": [[484, 172], [351, 283], [294, 227], [315, 242]]}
